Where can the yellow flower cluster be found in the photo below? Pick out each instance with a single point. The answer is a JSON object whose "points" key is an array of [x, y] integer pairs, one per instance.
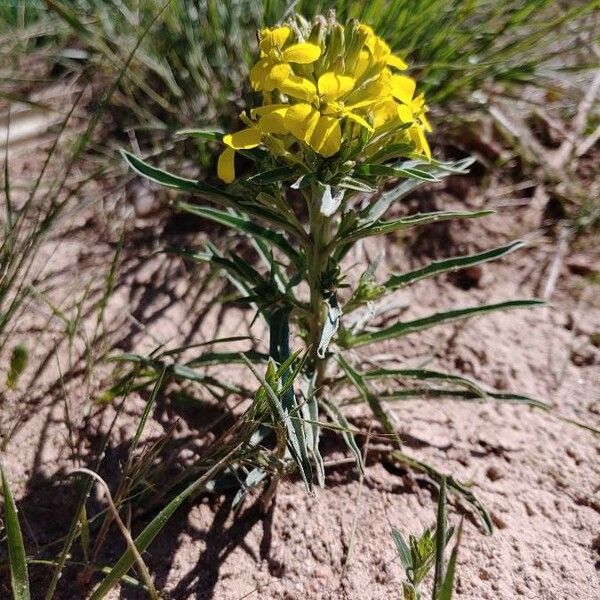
{"points": [[324, 88]]}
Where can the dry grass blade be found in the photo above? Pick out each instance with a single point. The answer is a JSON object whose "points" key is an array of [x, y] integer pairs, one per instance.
{"points": [[130, 543], [143, 540]]}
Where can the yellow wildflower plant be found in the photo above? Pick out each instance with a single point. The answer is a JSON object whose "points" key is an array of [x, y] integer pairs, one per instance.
{"points": [[337, 140], [328, 89]]}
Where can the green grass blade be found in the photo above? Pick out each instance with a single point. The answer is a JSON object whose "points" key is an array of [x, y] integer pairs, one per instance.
{"points": [[440, 538], [144, 539], [446, 589], [408, 327], [17, 559], [451, 264]]}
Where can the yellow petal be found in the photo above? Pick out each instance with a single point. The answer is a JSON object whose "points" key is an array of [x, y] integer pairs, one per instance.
{"points": [[362, 64], [327, 136], [273, 121], [396, 61], [259, 73], [300, 120], [384, 111], [303, 53], [418, 137], [404, 113], [332, 86], [403, 88], [271, 39], [276, 75], [226, 165], [298, 87], [244, 139]]}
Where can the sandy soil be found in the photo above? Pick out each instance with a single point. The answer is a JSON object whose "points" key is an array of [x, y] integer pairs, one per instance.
{"points": [[539, 476]]}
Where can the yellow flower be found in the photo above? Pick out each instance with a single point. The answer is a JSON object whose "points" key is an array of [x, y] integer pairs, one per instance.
{"points": [[379, 51], [352, 91], [318, 124], [273, 67], [242, 140]]}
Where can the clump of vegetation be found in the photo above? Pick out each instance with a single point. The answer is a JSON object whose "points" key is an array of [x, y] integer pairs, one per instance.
{"points": [[336, 132], [339, 122]]}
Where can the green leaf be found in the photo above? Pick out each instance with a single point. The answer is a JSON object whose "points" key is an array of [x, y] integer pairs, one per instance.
{"points": [[338, 417], [440, 538], [204, 134], [417, 220], [451, 264], [310, 413], [295, 441], [426, 375], [274, 176], [18, 362], [17, 559], [374, 211], [427, 393], [402, 329], [174, 181], [241, 224], [397, 171], [402, 548], [371, 399], [447, 587]]}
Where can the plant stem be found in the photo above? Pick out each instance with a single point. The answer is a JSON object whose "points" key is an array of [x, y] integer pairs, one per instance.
{"points": [[316, 265]]}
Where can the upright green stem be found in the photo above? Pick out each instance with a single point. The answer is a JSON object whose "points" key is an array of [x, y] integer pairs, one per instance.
{"points": [[316, 265]]}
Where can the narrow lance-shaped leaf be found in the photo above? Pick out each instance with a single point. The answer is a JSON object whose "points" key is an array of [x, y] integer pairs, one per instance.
{"points": [[407, 327], [241, 224], [450, 264], [383, 202], [384, 227], [370, 398], [440, 538], [428, 393], [201, 188], [397, 171], [447, 587], [16, 550], [426, 375], [174, 181]]}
